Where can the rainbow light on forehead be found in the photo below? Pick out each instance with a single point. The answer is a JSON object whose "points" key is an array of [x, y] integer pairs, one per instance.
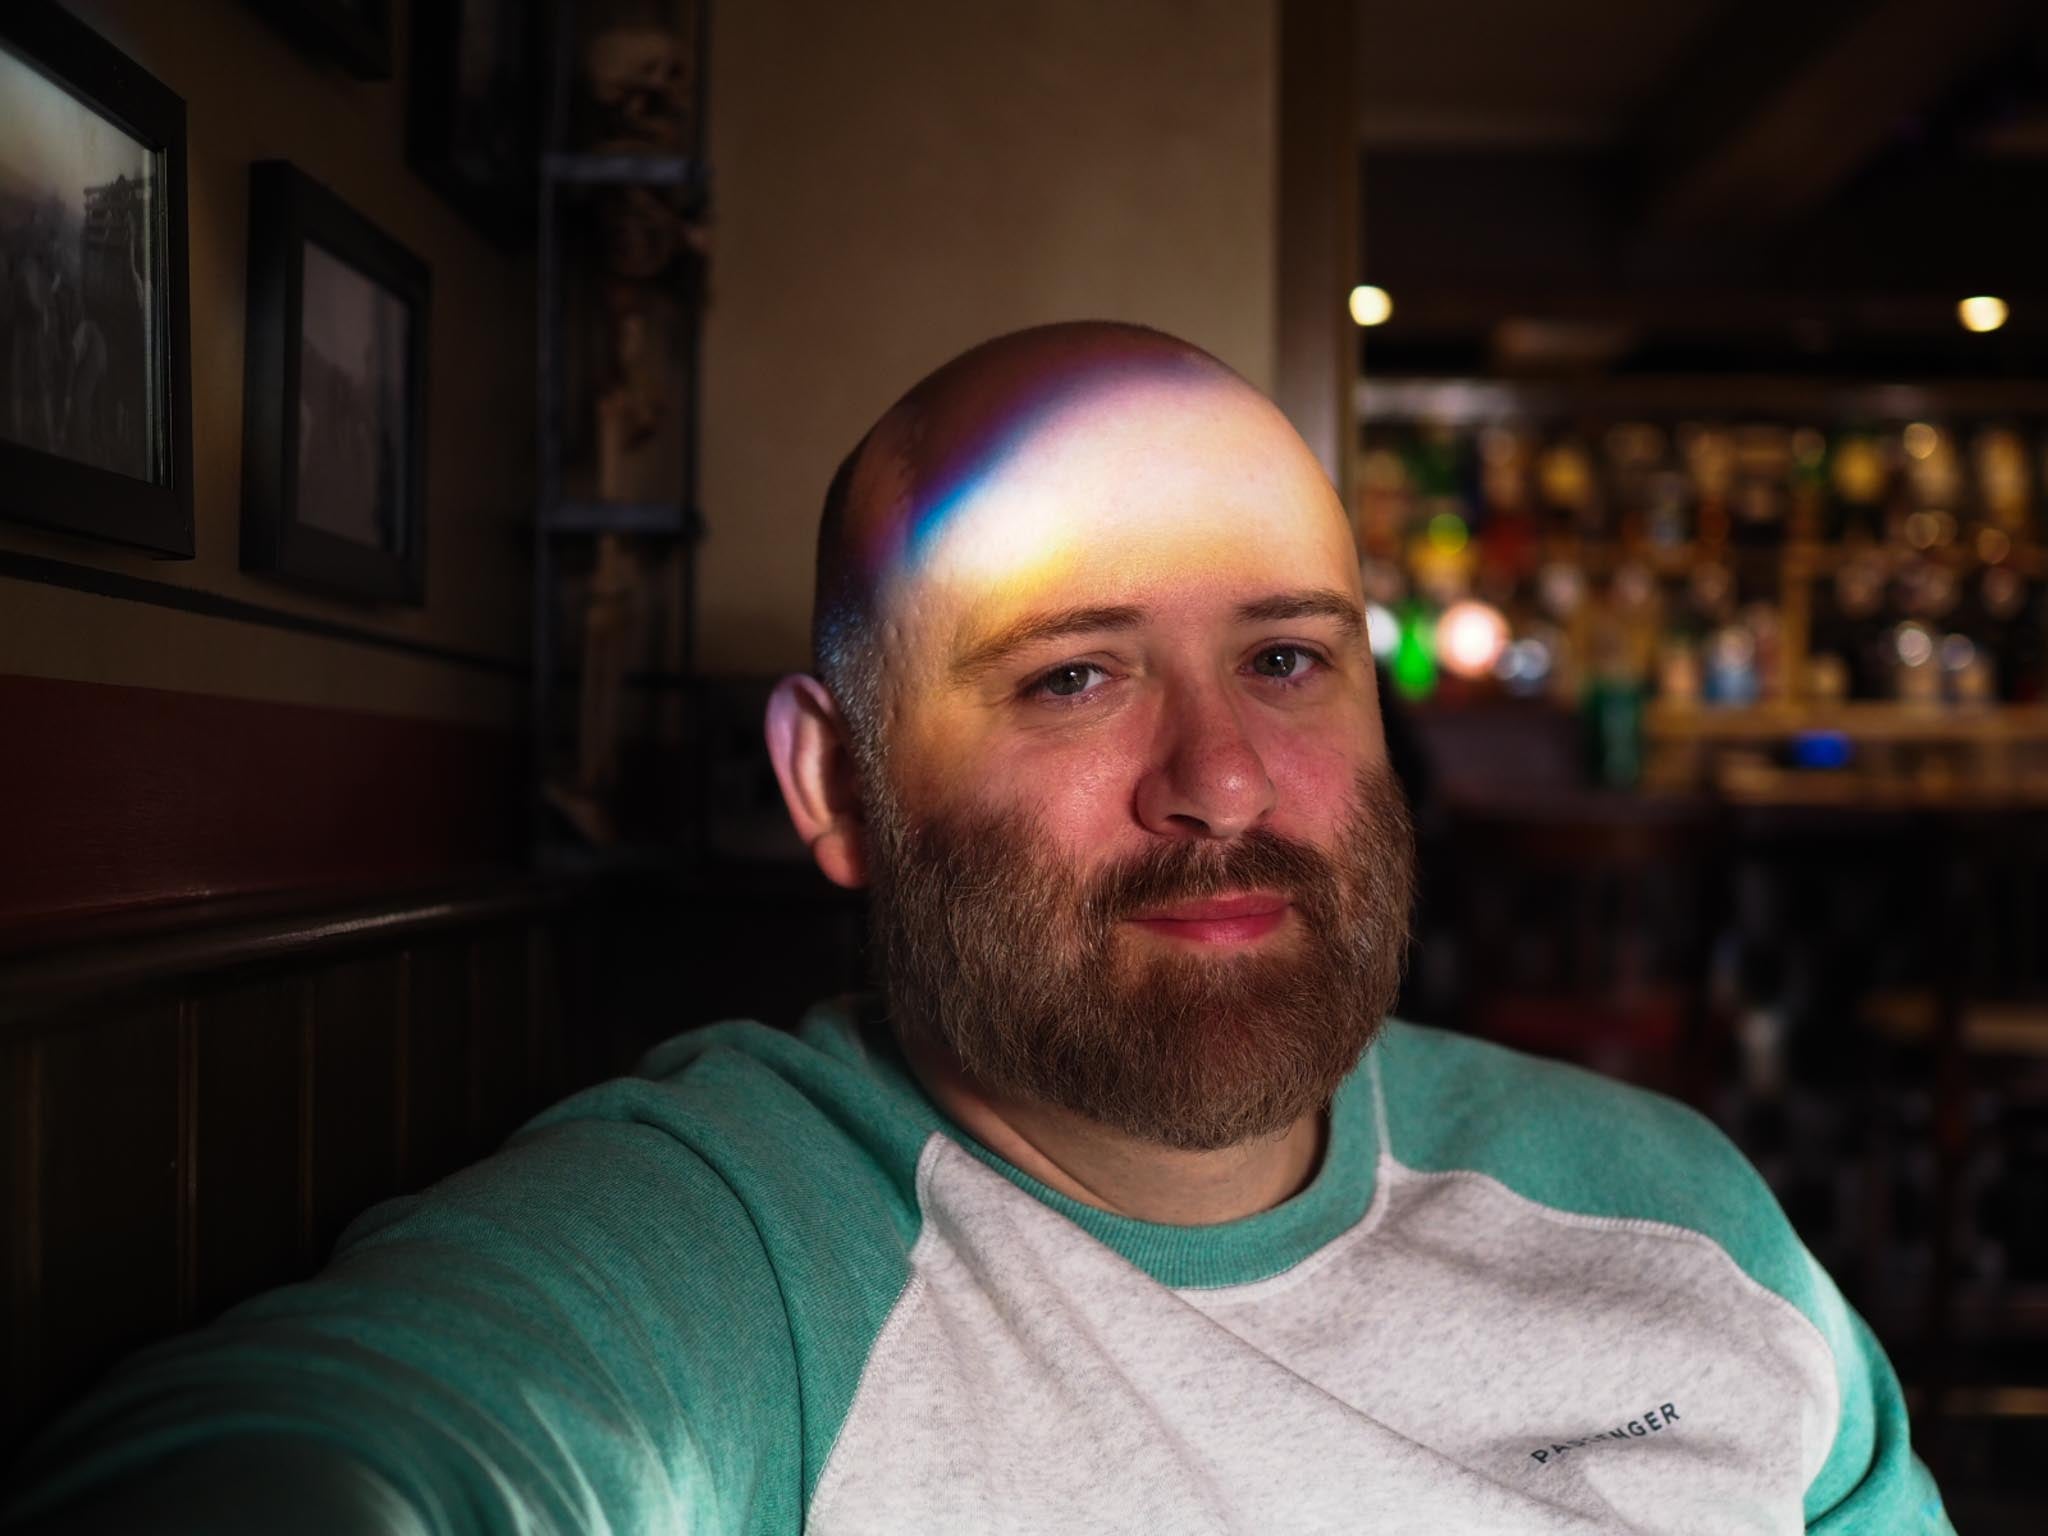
{"points": [[945, 478]]}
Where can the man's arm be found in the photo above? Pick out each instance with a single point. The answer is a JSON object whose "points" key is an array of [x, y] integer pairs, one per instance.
{"points": [[583, 1332], [1871, 1480]]}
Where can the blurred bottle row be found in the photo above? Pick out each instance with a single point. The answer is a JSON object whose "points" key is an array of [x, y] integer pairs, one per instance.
{"points": [[1711, 563]]}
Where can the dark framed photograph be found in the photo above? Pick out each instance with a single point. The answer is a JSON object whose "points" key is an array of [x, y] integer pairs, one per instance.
{"points": [[473, 120], [356, 34], [334, 395], [95, 360]]}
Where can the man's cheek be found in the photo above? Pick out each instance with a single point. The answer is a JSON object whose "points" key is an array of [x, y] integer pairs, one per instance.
{"points": [[1315, 786]]}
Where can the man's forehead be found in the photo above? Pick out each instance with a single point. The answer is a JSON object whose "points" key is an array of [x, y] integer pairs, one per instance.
{"points": [[1122, 485], [941, 449]]}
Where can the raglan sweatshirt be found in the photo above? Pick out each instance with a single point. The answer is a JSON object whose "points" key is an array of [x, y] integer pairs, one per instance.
{"points": [[766, 1286]]}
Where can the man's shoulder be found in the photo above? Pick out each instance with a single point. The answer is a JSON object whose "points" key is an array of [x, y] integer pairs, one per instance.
{"points": [[1580, 1144], [734, 1074], [782, 1118]]}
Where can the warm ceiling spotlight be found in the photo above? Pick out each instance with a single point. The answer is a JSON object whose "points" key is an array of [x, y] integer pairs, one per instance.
{"points": [[1370, 305], [1982, 313], [1470, 638]]}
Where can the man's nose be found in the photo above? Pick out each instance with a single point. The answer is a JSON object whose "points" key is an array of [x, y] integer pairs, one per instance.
{"points": [[1205, 777]]}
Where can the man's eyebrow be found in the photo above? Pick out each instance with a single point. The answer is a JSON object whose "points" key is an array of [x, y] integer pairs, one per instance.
{"points": [[1005, 643], [988, 654], [1323, 603]]}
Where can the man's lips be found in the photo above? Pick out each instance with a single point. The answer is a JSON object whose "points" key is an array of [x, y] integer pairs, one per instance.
{"points": [[1217, 907], [1219, 920]]}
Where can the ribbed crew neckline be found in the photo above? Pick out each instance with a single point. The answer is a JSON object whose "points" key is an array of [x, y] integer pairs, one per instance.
{"points": [[1204, 1257]]}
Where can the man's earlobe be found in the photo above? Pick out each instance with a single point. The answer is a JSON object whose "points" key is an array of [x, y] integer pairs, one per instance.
{"points": [[811, 747]]}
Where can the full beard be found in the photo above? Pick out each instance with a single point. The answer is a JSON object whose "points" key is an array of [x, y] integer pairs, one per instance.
{"points": [[993, 949]]}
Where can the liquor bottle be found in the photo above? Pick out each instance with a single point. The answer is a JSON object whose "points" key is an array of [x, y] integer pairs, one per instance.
{"points": [[1709, 453], [1386, 496], [1611, 712], [1808, 521], [1860, 477], [1569, 487], [1509, 546], [2004, 490], [1762, 489], [1635, 458]]}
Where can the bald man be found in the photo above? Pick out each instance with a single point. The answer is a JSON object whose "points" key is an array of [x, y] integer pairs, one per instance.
{"points": [[1123, 1208]]}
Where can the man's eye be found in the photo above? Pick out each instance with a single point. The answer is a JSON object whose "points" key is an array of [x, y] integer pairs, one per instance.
{"points": [[1284, 661], [1065, 682]]}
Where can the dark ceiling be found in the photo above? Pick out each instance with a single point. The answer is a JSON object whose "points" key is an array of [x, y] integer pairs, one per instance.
{"points": [[1705, 186]]}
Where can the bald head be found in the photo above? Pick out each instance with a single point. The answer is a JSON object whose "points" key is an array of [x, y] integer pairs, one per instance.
{"points": [[929, 469]]}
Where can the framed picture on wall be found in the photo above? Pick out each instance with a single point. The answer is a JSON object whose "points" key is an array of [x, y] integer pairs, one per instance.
{"points": [[334, 428], [356, 34], [473, 120], [95, 361]]}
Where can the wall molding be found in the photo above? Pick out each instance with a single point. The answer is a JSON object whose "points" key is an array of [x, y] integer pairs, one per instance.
{"points": [[118, 798], [123, 587]]}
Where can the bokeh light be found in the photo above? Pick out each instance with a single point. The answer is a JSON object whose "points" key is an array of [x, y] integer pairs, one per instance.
{"points": [[1370, 305], [1982, 312], [1470, 638]]}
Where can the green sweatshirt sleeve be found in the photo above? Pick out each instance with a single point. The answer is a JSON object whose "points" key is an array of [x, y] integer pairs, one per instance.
{"points": [[583, 1333], [1871, 1480]]}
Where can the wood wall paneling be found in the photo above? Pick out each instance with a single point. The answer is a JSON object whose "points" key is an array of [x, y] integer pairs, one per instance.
{"points": [[499, 1032], [360, 1016], [441, 1068], [248, 1114], [109, 1191], [21, 1234], [547, 1063], [207, 1129]]}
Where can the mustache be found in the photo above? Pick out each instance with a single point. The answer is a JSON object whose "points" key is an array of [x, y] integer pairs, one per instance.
{"points": [[1259, 860]]}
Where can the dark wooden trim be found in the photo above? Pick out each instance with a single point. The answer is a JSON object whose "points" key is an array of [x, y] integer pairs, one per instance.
{"points": [[402, 1048], [188, 1158], [36, 984], [533, 945], [22, 1061], [138, 796], [474, 1027], [45, 488], [308, 1055], [212, 605], [1317, 246]]}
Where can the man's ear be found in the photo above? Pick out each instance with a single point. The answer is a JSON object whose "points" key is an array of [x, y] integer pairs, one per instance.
{"points": [[811, 748]]}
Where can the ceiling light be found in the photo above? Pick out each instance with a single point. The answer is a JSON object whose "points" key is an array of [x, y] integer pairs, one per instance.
{"points": [[1982, 313], [1370, 305]]}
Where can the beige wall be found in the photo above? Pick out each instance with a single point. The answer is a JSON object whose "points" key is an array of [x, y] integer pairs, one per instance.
{"points": [[250, 95], [896, 181]]}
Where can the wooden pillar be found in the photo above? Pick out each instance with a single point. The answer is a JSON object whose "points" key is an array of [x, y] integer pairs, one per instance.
{"points": [[1318, 227]]}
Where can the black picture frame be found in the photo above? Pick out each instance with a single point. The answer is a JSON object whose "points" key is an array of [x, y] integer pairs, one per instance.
{"points": [[152, 510], [478, 143], [289, 215], [356, 34]]}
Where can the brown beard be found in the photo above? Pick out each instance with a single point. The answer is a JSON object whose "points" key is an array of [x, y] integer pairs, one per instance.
{"points": [[1011, 961]]}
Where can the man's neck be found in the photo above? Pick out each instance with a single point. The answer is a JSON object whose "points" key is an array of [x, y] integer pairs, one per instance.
{"points": [[1105, 1168]]}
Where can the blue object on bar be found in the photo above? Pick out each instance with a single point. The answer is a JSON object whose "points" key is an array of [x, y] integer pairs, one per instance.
{"points": [[1820, 749]]}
